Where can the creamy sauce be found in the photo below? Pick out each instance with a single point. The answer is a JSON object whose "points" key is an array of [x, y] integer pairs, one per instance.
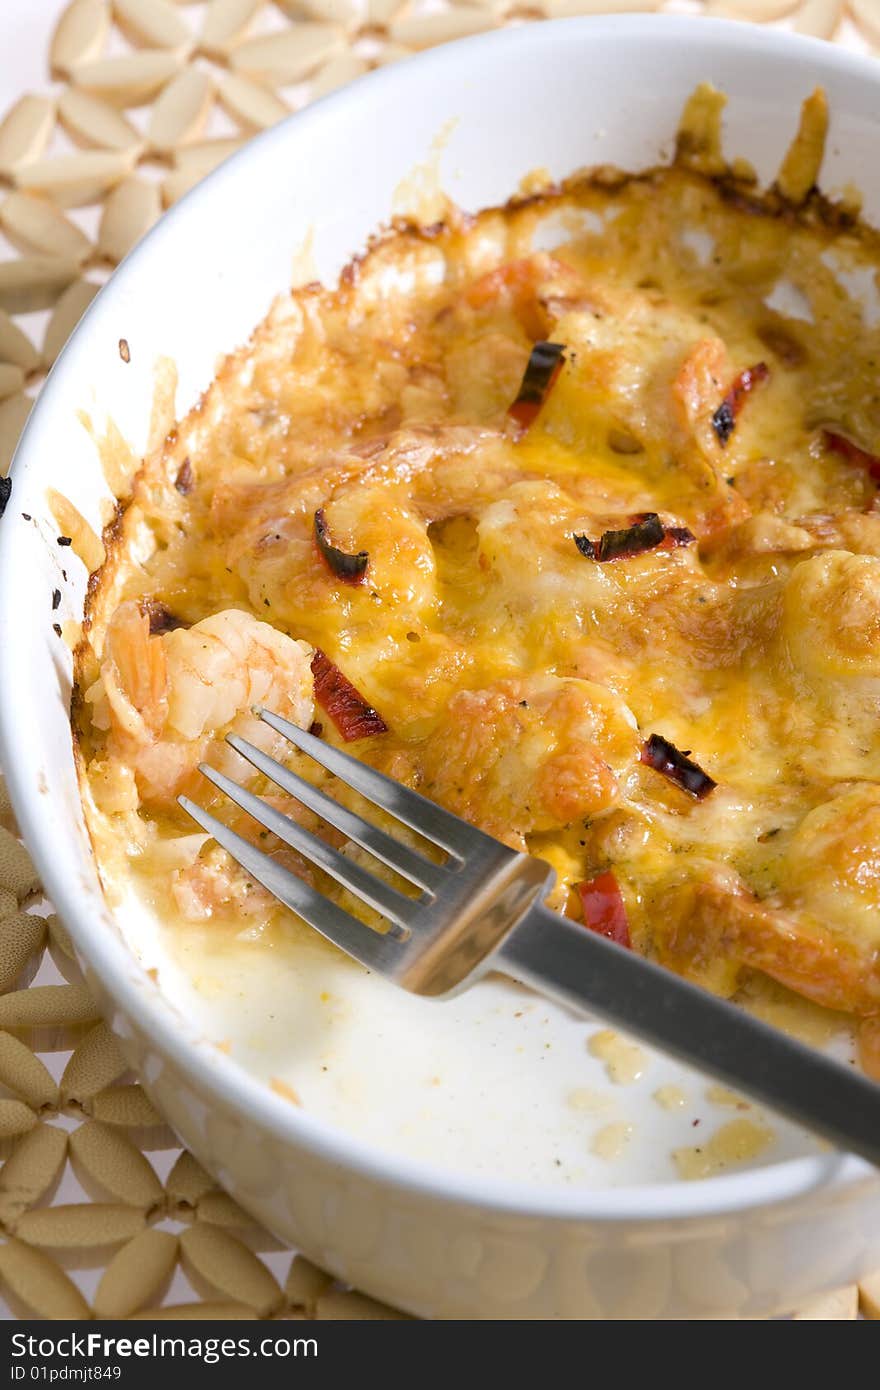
{"points": [[591, 1102], [733, 1145], [796, 1016], [496, 1081], [670, 1097], [625, 1062], [610, 1141], [720, 1095]]}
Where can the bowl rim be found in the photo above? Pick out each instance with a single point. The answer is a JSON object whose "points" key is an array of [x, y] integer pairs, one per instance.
{"points": [[116, 966]]}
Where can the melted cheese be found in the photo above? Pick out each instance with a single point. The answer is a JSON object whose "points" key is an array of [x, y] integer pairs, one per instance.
{"points": [[518, 677]]}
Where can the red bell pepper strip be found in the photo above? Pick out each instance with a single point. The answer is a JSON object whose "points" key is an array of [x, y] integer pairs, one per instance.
{"points": [[546, 361], [351, 569], [603, 908], [664, 757], [725, 417], [645, 532], [350, 712]]}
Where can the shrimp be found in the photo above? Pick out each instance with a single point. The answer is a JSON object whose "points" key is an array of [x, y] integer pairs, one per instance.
{"points": [[376, 502], [831, 623], [163, 699], [535, 290], [528, 756], [644, 368], [246, 516], [214, 886], [704, 925], [696, 391]]}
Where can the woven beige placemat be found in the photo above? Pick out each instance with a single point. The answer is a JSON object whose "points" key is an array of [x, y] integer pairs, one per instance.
{"points": [[102, 1214]]}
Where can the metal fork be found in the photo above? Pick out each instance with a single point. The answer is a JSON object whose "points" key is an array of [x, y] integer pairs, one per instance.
{"points": [[482, 909]]}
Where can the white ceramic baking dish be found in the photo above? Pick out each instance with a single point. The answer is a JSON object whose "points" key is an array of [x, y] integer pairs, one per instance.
{"points": [[439, 1242]]}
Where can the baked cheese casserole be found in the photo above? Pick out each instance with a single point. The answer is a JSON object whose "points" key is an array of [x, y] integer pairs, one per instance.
{"points": [[564, 514]]}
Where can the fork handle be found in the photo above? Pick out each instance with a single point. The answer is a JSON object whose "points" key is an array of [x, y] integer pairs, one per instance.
{"points": [[592, 975]]}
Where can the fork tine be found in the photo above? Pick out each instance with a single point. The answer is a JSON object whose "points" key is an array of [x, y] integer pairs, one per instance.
{"points": [[424, 816], [373, 891], [408, 862], [371, 948]]}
